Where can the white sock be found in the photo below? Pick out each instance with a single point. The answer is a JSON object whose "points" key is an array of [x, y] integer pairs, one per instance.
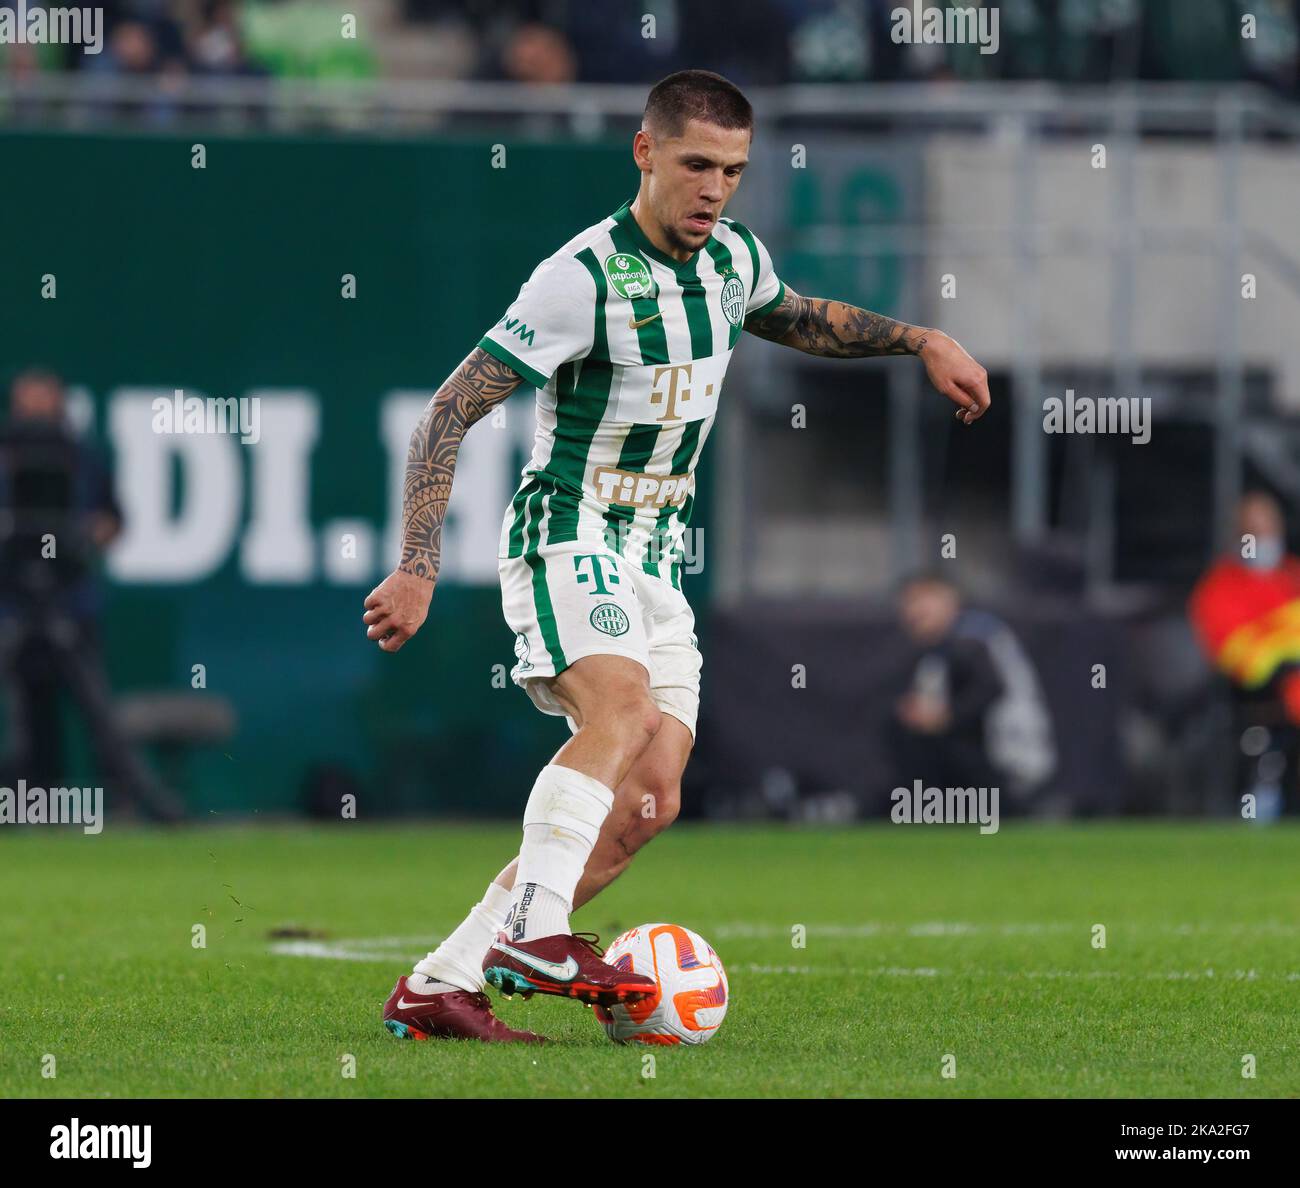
{"points": [[420, 984], [457, 963], [561, 823], [538, 912]]}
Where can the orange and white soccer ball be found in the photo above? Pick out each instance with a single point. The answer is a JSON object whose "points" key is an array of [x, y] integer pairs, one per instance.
{"points": [[692, 997]]}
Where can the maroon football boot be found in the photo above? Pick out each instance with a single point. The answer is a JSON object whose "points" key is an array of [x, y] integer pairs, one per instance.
{"points": [[453, 1014], [567, 965]]}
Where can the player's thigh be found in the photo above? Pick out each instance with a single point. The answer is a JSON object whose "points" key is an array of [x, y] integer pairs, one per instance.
{"points": [[604, 686]]}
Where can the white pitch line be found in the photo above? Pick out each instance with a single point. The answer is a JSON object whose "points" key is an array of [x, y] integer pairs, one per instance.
{"points": [[744, 930], [894, 971], [385, 949], [389, 949]]}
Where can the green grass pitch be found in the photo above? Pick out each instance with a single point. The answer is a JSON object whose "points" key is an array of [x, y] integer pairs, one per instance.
{"points": [[921, 943]]}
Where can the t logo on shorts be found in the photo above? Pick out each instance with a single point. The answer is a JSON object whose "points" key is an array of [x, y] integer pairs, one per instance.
{"points": [[599, 574]]}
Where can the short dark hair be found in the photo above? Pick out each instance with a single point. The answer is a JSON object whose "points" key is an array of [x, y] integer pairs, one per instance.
{"points": [[696, 95]]}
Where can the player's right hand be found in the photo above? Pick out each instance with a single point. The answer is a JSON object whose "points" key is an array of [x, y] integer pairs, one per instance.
{"points": [[396, 608]]}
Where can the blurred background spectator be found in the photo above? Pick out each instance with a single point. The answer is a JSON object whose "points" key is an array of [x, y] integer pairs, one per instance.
{"points": [[58, 513], [755, 42], [973, 713], [1246, 610]]}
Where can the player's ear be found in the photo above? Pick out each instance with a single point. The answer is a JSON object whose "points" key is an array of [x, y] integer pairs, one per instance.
{"points": [[641, 146]]}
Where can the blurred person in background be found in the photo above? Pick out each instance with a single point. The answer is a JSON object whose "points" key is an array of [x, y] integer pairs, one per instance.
{"points": [[58, 513], [143, 48], [217, 42], [536, 54], [143, 37], [973, 714], [1246, 611]]}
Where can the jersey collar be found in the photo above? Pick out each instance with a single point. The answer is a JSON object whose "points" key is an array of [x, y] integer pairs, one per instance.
{"points": [[685, 269]]}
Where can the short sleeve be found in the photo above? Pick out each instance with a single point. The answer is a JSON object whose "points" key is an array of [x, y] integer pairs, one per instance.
{"points": [[768, 288], [552, 321]]}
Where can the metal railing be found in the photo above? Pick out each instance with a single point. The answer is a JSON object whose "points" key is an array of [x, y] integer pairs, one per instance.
{"points": [[67, 98]]}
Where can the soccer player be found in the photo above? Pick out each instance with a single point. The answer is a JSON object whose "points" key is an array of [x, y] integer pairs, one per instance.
{"points": [[625, 333]]}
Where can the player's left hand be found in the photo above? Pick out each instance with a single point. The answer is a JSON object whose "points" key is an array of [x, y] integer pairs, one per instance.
{"points": [[954, 373], [396, 608]]}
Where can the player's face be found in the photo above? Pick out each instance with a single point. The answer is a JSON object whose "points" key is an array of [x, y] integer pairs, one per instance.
{"points": [[692, 178]]}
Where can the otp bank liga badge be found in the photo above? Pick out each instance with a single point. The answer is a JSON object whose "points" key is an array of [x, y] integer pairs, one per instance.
{"points": [[629, 275], [733, 298], [610, 618], [521, 651]]}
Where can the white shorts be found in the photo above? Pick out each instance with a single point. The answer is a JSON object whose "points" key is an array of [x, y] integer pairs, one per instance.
{"points": [[571, 600]]}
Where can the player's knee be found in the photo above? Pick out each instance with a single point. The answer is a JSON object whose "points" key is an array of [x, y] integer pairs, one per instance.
{"points": [[661, 801], [670, 804], [632, 714]]}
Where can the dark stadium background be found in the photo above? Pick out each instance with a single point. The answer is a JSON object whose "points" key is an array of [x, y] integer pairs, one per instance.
{"points": [[373, 158]]}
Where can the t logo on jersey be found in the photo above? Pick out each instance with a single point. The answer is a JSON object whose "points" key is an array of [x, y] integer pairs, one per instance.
{"points": [[676, 389], [629, 275], [599, 574]]}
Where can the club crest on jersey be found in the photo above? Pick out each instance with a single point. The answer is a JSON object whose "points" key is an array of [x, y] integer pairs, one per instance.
{"points": [[733, 299], [610, 618], [629, 275]]}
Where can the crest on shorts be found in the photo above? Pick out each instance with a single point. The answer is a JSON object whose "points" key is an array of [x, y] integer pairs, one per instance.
{"points": [[629, 275], [521, 651], [610, 618]]}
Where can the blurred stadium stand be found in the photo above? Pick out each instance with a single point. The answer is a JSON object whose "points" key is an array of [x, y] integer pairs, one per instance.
{"points": [[754, 42], [919, 162]]}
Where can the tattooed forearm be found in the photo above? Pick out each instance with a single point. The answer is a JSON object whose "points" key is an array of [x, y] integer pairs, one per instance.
{"points": [[821, 327], [471, 391]]}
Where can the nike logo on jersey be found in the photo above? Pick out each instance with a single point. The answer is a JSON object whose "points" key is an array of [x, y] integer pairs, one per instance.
{"points": [[565, 972], [634, 324]]}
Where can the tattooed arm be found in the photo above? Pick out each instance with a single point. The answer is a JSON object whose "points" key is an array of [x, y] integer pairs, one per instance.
{"points": [[837, 330], [396, 608]]}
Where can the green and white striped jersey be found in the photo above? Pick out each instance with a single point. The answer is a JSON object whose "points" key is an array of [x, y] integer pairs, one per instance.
{"points": [[627, 348]]}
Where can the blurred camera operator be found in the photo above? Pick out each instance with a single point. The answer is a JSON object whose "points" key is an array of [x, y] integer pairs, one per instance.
{"points": [[57, 515]]}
